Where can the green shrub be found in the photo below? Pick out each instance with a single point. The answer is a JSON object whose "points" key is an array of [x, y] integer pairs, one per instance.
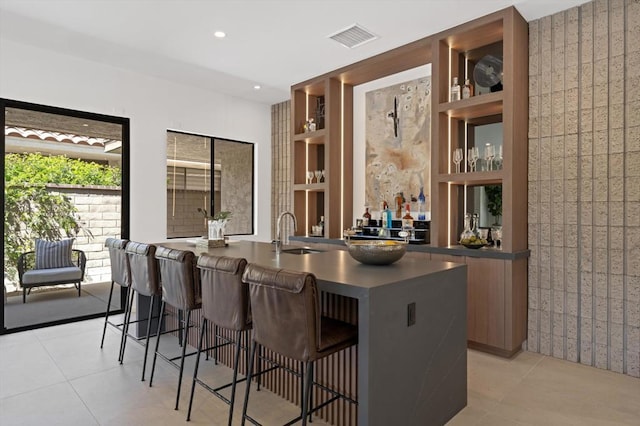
{"points": [[32, 211]]}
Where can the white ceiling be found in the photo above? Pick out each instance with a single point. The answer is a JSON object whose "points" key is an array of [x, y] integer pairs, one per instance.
{"points": [[271, 43]]}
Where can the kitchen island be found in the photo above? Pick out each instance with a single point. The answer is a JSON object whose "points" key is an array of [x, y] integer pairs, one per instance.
{"points": [[412, 344]]}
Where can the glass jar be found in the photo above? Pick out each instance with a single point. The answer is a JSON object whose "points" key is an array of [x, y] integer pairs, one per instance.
{"points": [[468, 223]]}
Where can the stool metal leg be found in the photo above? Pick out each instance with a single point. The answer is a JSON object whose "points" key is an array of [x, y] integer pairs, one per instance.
{"points": [[106, 316], [235, 375], [146, 346], [308, 380], [127, 320], [249, 372], [184, 349], [155, 354], [203, 328]]}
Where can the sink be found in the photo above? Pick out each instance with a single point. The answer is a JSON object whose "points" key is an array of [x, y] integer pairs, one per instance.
{"points": [[300, 250]]}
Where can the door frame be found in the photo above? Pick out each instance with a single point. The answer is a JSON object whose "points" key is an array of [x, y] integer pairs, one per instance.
{"points": [[125, 196]]}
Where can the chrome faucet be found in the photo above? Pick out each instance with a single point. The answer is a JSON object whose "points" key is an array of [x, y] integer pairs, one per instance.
{"points": [[279, 228]]}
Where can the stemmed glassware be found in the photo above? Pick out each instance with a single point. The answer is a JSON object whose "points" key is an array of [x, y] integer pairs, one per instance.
{"points": [[317, 174], [489, 153], [322, 175], [309, 177], [472, 158], [498, 158], [458, 157]]}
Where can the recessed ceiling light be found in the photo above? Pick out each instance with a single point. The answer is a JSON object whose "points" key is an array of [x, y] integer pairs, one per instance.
{"points": [[220, 34], [257, 87]]}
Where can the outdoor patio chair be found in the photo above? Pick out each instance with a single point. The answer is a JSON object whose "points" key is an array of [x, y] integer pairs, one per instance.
{"points": [[51, 263]]}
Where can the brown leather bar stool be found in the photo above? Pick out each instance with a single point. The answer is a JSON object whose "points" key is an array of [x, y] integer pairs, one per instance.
{"points": [[144, 281], [121, 275], [180, 280], [225, 303], [286, 320]]}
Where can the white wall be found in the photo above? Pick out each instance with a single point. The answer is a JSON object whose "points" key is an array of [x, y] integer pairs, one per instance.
{"points": [[359, 136], [153, 105]]}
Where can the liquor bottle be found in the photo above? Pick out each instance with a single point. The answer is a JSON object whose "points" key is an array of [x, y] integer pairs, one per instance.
{"points": [[455, 90], [321, 225], [366, 217], [421, 204], [467, 89], [383, 214], [407, 219], [399, 199]]}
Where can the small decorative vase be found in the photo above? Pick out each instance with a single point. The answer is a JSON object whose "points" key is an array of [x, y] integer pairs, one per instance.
{"points": [[216, 229]]}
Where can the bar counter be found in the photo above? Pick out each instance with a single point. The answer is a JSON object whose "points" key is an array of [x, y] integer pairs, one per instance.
{"points": [[406, 374]]}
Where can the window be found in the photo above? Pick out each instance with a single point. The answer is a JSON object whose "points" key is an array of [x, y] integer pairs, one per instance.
{"points": [[192, 183]]}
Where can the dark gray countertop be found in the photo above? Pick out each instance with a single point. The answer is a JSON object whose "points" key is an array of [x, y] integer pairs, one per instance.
{"points": [[332, 267], [485, 252]]}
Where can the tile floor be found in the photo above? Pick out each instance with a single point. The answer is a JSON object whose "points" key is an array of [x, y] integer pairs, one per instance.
{"points": [[59, 376]]}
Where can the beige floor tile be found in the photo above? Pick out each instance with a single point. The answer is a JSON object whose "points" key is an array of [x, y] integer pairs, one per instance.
{"points": [[26, 367], [52, 405]]}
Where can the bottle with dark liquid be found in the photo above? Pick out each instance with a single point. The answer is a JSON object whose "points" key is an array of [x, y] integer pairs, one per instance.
{"points": [[366, 217]]}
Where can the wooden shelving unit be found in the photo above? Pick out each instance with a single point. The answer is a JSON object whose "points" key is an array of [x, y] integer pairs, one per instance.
{"points": [[497, 297], [497, 289], [328, 148]]}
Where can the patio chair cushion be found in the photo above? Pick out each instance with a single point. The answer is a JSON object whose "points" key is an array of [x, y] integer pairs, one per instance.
{"points": [[40, 276], [53, 254]]}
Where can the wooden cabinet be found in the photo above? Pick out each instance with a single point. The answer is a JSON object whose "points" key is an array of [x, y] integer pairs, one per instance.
{"points": [[456, 54], [329, 148], [497, 295]]}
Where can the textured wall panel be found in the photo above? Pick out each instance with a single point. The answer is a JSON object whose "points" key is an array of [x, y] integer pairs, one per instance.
{"points": [[584, 162]]}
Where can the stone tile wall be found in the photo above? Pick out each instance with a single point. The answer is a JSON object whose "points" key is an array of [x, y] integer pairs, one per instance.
{"points": [[99, 211], [281, 178], [584, 185]]}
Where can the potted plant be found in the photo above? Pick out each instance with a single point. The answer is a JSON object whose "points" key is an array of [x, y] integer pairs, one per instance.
{"points": [[494, 198], [216, 223]]}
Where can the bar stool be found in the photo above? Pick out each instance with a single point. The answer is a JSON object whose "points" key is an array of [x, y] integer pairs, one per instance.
{"points": [[286, 320], [225, 303], [121, 275], [180, 282], [145, 282]]}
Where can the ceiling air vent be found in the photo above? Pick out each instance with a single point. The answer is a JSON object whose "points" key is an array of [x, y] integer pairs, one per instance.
{"points": [[353, 36]]}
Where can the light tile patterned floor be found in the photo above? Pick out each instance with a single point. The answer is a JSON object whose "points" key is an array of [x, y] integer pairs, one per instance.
{"points": [[59, 376]]}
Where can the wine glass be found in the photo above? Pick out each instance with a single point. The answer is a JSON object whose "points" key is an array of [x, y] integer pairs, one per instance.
{"points": [[317, 174], [322, 174], [489, 153], [498, 158], [309, 176], [457, 158], [472, 158]]}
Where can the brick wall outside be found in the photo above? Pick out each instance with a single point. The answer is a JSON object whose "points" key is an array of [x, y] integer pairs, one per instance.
{"points": [[584, 185], [99, 211]]}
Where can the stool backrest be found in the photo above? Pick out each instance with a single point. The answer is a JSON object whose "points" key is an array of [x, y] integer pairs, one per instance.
{"points": [[144, 268], [179, 278], [120, 271], [285, 312], [225, 297]]}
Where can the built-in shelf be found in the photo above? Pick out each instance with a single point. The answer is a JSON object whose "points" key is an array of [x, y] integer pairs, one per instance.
{"points": [[477, 106], [473, 178], [315, 137], [310, 187]]}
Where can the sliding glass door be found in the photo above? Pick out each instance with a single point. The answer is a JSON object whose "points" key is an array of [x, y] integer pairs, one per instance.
{"points": [[65, 179]]}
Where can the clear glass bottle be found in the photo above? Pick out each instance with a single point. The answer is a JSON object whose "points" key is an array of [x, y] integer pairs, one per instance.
{"points": [[455, 90], [467, 89], [422, 202], [407, 221], [465, 236], [321, 225]]}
